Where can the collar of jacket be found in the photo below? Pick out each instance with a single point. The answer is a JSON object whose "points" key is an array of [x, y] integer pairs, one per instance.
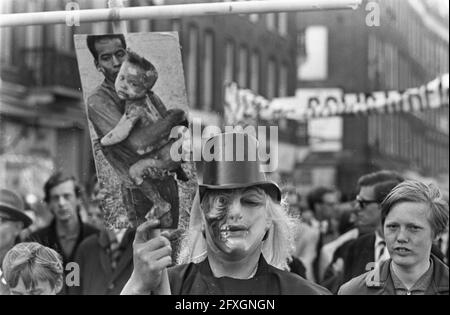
{"points": [[379, 278]]}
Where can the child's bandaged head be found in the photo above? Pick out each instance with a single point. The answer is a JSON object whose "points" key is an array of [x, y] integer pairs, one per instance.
{"points": [[149, 75]]}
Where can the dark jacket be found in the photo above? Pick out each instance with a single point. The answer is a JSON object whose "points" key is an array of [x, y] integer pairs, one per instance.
{"points": [[359, 253], [48, 237], [368, 284], [96, 275], [197, 279]]}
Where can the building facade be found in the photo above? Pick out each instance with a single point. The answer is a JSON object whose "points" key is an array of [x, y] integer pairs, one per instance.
{"points": [[41, 93], [385, 45]]}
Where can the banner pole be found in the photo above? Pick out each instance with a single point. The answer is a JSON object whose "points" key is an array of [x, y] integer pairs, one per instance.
{"points": [[173, 11], [119, 26]]}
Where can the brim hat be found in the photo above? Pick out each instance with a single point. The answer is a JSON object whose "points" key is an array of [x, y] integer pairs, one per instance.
{"points": [[12, 206], [231, 161]]}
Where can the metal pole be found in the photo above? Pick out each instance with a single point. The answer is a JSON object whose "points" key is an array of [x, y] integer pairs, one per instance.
{"points": [[119, 27], [174, 11]]}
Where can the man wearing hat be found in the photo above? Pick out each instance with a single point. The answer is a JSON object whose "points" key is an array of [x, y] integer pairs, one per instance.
{"points": [[12, 221], [238, 241]]}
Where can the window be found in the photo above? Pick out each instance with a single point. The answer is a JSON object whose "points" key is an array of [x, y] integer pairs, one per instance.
{"points": [[99, 27], [255, 72], [243, 67], [372, 62], [271, 21], [34, 32], [229, 62], [283, 86], [192, 67], [254, 17], [208, 71], [315, 65], [176, 26], [271, 79], [283, 23], [6, 34]]}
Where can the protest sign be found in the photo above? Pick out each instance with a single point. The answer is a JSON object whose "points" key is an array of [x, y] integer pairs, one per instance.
{"points": [[134, 91]]}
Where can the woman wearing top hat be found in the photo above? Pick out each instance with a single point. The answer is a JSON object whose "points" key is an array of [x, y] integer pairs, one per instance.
{"points": [[12, 221], [239, 239]]}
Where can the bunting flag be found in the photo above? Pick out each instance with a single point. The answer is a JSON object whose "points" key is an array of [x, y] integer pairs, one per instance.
{"points": [[242, 106]]}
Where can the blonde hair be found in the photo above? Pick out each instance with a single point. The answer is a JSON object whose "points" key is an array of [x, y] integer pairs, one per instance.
{"points": [[429, 195], [277, 247], [32, 262]]}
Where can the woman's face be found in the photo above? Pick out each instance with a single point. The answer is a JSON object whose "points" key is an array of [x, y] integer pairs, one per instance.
{"points": [[236, 221], [408, 234]]}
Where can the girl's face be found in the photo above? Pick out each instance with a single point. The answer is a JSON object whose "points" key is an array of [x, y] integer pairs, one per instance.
{"points": [[236, 221]]}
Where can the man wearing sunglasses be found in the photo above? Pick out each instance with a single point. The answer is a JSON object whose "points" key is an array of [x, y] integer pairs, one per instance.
{"points": [[12, 221], [370, 247], [355, 256]]}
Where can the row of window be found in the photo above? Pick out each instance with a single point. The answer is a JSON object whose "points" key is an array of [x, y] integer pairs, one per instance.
{"points": [[394, 135], [424, 45], [240, 64], [389, 69], [277, 22]]}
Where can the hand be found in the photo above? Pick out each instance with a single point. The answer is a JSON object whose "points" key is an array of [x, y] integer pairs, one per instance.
{"points": [[151, 256]]}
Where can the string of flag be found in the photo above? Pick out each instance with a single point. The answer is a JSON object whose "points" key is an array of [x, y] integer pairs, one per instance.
{"points": [[243, 105]]}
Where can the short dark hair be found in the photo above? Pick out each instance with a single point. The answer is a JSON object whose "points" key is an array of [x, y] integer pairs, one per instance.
{"points": [[429, 195], [92, 39], [382, 181], [379, 177], [139, 61], [57, 179], [383, 189], [316, 196]]}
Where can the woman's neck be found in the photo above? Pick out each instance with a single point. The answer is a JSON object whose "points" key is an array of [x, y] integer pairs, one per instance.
{"points": [[244, 268], [410, 275]]}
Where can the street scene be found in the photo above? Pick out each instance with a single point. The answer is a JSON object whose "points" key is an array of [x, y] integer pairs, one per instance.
{"points": [[191, 147]]}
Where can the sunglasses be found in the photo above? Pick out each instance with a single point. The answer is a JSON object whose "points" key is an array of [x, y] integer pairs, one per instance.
{"points": [[363, 202]]}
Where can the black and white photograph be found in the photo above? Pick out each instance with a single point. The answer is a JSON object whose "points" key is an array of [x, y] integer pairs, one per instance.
{"points": [[229, 155], [131, 125]]}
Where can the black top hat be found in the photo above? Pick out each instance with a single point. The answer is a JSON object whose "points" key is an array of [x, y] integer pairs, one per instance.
{"points": [[231, 161], [12, 206]]}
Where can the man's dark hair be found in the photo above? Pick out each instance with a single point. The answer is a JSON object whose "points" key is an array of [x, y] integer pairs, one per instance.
{"points": [[316, 196], [382, 181], [379, 177], [57, 179], [92, 39], [139, 61], [382, 190]]}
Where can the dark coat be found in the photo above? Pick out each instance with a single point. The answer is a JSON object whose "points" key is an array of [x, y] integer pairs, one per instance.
{"points": [[96, 274], [359, 253], [48, 237], [197, 279], [367, 284]]}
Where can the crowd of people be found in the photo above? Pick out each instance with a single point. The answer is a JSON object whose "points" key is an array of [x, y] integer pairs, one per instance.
{"points": [[245, 236]]}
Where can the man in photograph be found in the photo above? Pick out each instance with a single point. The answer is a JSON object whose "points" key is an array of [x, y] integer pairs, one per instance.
{"points": [[105, 109]]}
